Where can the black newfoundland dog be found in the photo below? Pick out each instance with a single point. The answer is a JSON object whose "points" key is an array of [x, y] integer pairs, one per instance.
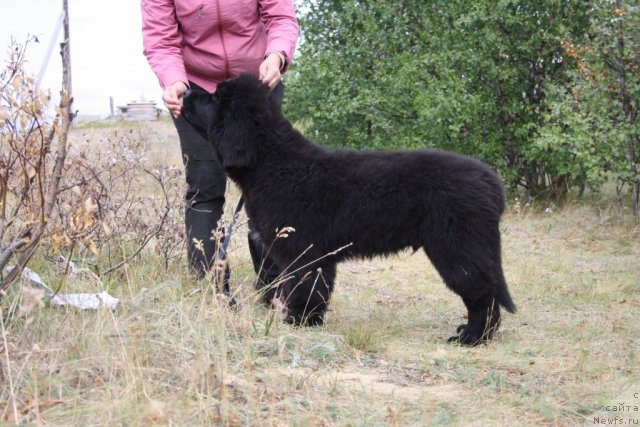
{"points": [[346, 204]]}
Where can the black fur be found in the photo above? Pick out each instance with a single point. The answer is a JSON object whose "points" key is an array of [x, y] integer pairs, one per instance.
{"points": [[367, 203]]}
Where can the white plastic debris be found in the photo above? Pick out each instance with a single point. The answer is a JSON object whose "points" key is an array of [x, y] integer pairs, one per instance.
{"points": [[83, 301], [86, 301], [63, 264]]}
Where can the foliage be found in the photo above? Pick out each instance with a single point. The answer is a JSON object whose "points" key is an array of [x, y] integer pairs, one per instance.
{"points": [[33, 151], [96, 200], [595, 116], [486, 78], [451, 75], [116, 201]]}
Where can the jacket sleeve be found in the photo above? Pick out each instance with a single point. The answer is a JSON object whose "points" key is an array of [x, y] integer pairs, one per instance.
{"points": [[161, 41], [281, 24]]}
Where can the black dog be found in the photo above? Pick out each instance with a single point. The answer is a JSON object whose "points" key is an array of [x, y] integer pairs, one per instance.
{"points": [[345, 204]]}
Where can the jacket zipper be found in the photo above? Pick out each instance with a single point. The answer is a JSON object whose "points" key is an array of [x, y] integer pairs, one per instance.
{"points": [[224, 49]]}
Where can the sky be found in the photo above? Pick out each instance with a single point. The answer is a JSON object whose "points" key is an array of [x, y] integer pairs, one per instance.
{"points": [[106, 50]]}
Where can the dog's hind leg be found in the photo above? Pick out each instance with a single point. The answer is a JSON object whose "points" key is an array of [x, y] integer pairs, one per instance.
{"points": [[483, 320], [483, 311], [471, 268], [483, 303], [307, 294]]}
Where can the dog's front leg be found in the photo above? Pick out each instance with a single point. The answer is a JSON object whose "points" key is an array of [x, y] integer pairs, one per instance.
{"points": [[307, 294]]}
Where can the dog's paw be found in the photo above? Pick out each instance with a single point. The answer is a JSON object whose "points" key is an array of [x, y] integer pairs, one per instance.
{"points": [[464, 338], [304, 319]]}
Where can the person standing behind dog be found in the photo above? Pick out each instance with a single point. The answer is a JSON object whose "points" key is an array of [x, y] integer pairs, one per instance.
{"points": [[196, 44]]}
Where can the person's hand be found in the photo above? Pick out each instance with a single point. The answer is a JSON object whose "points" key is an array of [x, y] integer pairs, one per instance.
{"points": [[270, 70], [172, 97]]}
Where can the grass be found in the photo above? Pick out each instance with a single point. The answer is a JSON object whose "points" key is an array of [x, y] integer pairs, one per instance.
{"points": [[173, 353]]}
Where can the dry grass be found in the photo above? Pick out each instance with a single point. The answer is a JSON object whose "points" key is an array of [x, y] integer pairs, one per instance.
{"points": [[173, 353]]}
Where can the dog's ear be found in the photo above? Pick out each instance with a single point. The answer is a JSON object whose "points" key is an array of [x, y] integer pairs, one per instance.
{"points": [[199, 109], [242, 122], [237, 142]]}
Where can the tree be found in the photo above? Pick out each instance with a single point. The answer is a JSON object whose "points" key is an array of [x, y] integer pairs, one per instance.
{"points": [[464, 76], [597, 112]]}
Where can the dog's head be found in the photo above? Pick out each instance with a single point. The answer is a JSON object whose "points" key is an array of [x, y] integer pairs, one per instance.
{"points": [[234, 119]]}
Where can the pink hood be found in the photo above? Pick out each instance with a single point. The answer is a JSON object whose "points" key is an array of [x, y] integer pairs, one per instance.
{"points": [[207, 41]]}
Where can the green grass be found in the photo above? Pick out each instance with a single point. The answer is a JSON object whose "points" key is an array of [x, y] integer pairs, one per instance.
{"points": [[173, 353]]}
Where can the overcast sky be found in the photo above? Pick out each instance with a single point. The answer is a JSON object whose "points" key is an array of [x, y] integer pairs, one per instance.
{"points": [[106, 49]]}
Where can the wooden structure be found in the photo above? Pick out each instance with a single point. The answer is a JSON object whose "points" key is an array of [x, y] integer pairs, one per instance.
{"points": [[139, 110]]}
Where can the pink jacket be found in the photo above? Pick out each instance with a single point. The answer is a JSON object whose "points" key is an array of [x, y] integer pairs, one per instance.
{"points": [[207, 41]]}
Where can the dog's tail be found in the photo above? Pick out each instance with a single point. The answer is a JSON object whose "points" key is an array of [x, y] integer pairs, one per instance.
{"points": [[503, 296]]}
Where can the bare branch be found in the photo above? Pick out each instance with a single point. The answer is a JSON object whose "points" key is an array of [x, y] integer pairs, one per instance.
{"points": [[47, 199]]}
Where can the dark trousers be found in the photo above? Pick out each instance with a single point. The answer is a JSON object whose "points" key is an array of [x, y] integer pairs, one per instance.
{"points": [[206, 185]]}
